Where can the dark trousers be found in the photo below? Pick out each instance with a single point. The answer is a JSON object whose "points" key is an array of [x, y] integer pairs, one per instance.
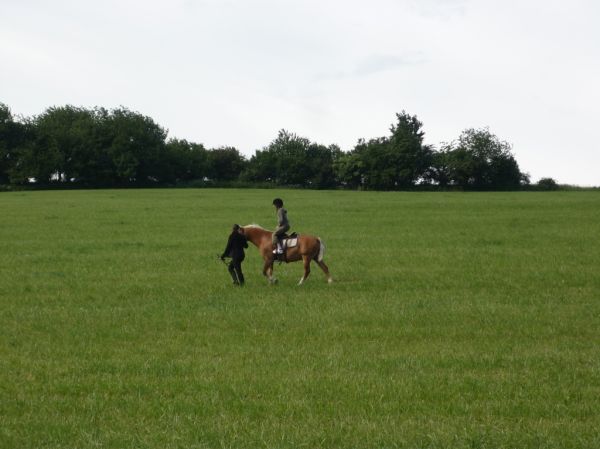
{"points": [[278, 233], [235, 270]]}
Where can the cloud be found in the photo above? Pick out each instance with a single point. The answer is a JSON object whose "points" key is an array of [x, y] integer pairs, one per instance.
{"points": [[439, 8], [380, 63], [372, 65]]}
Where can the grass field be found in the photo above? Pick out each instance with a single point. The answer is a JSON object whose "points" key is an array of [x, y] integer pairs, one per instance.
{"points": [[455, 321]]}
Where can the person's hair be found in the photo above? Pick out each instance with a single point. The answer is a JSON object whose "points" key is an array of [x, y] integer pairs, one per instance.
{"points": [[236, 227], [278, 202]]}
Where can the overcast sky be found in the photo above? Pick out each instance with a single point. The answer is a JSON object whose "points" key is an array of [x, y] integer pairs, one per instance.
{"points": [[234, 72]]}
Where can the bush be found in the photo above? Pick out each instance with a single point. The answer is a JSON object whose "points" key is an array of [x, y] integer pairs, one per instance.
{"points": [[547, 184]]}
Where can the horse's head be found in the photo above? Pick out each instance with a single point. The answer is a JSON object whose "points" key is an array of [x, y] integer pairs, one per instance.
{"points": [[255, 233]]}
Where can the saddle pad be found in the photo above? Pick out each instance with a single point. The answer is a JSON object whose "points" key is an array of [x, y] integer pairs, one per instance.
{"points": [[290, 243]]}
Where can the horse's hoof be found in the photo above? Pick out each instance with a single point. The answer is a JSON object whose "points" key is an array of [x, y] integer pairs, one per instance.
{"points": [[330, 281]]}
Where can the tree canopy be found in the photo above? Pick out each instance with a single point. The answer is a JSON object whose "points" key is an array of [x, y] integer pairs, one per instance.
{"points": [[398, 161], [294, 161], [119, 147]]}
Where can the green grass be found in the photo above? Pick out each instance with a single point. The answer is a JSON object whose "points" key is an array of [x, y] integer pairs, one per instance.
{"points": [[455, 321]]}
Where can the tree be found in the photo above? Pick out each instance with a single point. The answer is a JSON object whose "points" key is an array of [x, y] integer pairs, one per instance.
{"points": [[91, 147], [387, 163], [66, 136], [291, 165], [135, 145], [478, 160], [349, 170], [379, 172], [320, 161], [36, 157], [547, 184], [439, 172], [225, 164], [261, 167], [294, 160], [97, 147], [12, 135], [184, 161], [408, 154]]}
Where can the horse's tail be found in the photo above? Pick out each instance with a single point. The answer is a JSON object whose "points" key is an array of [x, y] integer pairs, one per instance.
{"points": [[321, 250]]}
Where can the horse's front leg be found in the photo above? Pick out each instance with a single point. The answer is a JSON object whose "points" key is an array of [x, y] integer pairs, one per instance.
{"points": [[268, 271]]}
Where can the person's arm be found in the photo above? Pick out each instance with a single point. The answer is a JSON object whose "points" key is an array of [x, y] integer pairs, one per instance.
{"points": [[227, 248], [245, 241]]}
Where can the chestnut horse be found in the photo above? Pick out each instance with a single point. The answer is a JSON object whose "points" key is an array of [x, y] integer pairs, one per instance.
{"points": [[308, 248]]}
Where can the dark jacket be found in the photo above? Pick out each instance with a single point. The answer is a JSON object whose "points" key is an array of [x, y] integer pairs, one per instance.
{"points": [[235, 246]]}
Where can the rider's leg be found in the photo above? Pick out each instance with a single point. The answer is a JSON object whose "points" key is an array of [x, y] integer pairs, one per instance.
{"points": [[277, 236]]}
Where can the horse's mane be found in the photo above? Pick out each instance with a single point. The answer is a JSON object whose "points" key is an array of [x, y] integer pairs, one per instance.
{"points": [[257, 226]]}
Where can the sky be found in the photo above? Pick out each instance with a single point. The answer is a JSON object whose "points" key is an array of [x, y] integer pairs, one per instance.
{"points": [[234, 72]]}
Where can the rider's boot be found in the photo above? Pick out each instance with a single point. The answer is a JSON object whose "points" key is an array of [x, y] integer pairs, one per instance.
{"points": [[276, 254]]}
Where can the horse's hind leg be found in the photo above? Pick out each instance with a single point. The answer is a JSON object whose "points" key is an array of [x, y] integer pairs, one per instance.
{"points": [[306, 261], [325, 269]]}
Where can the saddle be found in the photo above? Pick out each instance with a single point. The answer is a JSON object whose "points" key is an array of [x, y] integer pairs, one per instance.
{"points": [[285, 242]]}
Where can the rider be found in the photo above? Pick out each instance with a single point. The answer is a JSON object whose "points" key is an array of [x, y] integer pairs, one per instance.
{"points": [[283, 225]]}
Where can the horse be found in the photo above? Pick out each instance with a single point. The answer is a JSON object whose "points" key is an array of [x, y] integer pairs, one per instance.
{"points": [[308, 248]]}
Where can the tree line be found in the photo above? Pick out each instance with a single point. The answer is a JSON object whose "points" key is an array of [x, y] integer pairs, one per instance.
{"points": [[78, 146]]}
